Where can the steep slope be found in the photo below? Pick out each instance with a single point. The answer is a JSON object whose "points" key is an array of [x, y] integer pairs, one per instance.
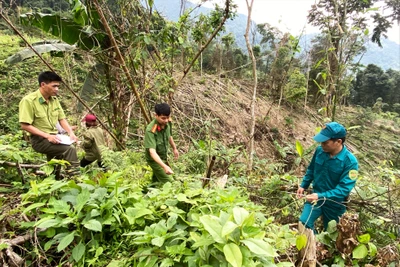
{"points": [[219, 109]]}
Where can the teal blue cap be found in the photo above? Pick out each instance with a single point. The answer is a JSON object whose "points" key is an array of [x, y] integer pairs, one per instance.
{"points": [[331, 130]]}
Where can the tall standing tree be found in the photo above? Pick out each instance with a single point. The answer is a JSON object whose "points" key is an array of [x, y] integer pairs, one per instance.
{"points": [[371, 84], [344, 23], [254, 72]]}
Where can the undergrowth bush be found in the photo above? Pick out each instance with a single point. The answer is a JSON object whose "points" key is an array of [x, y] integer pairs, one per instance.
{"points": [[109, 221]]}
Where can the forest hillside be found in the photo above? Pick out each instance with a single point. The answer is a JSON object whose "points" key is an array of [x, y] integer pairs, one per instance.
{"points": [[243, 126]]}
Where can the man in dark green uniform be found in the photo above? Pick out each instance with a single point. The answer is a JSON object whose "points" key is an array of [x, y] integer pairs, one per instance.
{"points": [[39, 113], [156, 140], [333, 173]]}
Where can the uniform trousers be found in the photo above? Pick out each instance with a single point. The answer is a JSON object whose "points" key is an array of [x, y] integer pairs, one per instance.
{"points": [[329, 211], [58, 151]]}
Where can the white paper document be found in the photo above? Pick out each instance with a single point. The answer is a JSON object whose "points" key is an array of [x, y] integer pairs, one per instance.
{"points": [[64, 139]]}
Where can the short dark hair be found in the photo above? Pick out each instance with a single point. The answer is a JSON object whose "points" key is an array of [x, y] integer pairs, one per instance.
{"points": [[48, 77], [162, 109], [342, 138]]}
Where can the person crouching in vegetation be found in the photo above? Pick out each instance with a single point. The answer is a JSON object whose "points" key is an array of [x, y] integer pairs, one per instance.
{"points": [[93, 139], [156, 139], [333, 173], [39, 112]]}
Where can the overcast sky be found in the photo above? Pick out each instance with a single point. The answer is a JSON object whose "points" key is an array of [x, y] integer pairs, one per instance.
{"points": [[288, 15]]}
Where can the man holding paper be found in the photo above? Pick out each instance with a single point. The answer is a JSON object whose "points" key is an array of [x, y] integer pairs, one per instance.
{"points": [[39, 113]]}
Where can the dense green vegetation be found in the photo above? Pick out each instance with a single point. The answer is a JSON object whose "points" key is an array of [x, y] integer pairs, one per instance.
{"points": [[114, 219]]}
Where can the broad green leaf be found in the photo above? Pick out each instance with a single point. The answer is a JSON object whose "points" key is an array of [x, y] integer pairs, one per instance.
{"points": [[81, 200], [50, 232], [260, 247], [33, 206], [203, 241], [228, 228], [41, 49], [48, 169], [158, 241], [78, 252], [65, 222], [360, 252], [48, 223], [240, 214], [372, 249], [116, 263], [172, 220], [17, 157], [364, 238], [94, 213], [65, 241], [48, 244], [147, 261], [332, 227], [183, 198], [93, 225], [251, 231], [212, 225], [249, 221], [299, 148], [99, 251], [203, 254], [301, 241], [147, 40], [160, 229], [195, 236], [99, 193], [138, 212], [167, 262], [61, 206], [233, 255]]}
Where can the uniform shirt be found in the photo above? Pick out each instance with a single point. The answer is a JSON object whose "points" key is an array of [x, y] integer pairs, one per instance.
{"points": [[93, 139], [331, 177], [157, 138], [34, 110]]}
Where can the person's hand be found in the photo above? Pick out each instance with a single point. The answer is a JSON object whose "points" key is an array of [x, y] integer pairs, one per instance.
{"points": [[312, 197], [176, 153], [168, 169], [300, 192], [53, 139], [73, 137]]}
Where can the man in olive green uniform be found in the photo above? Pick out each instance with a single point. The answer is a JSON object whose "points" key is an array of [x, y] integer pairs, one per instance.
{"points": [[93, 139], [39, 113], [156, 139]]}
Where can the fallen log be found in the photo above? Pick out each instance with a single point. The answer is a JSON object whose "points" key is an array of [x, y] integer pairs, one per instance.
{"points": [[19, 166]]}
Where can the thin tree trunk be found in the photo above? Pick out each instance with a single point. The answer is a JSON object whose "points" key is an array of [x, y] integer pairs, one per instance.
{"points": [[220, 61], [121, 59], [226, 15], [308, 77], [253, 99], [201, 61]]}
